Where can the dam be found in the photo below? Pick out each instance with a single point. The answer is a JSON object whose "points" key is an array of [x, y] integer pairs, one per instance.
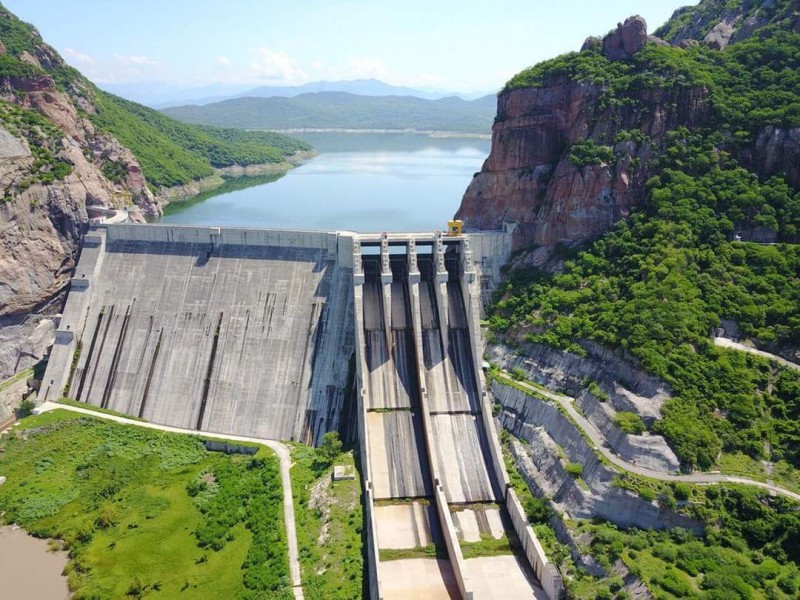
{"points": [[289, 334]]}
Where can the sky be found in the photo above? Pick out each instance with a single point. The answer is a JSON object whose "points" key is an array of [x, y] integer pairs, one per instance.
{"points": [[455, 45]]}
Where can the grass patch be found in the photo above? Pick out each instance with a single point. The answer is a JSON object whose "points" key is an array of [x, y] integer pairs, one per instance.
{"points": [[15, 378], [488, 546], [630, 423], [429, 551], [147, 512], [783, 473], [97, 409], [329, 525]]}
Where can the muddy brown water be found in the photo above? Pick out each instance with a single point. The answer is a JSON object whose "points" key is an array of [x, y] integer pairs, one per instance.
{"points": [[28, 571]]}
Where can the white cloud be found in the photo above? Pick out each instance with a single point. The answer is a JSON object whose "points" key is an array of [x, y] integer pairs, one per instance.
{"points": [[365, 68], [222, 61], [275, 65], [78, 57], [133, 60]]}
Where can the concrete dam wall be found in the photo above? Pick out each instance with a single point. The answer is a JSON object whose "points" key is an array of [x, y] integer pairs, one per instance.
{"points": [[290, 334], [230, 331]]}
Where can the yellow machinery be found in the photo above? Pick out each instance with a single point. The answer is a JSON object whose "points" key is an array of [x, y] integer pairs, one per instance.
{"points": [[454, 228]]}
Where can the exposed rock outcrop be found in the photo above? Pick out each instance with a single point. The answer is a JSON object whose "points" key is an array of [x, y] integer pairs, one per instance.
{"points": [[550, 436], [776, 151], [649, 451], [626, 40], [533, 177], [628, 387], [41, 220], [530, 177]]}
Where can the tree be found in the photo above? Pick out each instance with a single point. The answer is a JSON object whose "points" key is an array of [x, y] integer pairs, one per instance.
{"points": [[26, 408], [331, 446]]}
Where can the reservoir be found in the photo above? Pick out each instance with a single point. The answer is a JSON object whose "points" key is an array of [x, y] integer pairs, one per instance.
{"points": [[360, 182], [28, 569]]}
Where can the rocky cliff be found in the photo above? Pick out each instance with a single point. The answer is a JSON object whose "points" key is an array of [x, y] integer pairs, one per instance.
{"points": [[576, 139], [51, 169], [66, 146]]}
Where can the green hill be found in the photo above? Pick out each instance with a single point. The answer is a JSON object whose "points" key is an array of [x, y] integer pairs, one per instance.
{"points": [[174, 153], [341, 110], [170, 153], [656, 286]]}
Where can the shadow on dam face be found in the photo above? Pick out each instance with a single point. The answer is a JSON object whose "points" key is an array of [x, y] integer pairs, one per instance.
{"points": [[222, 337]]}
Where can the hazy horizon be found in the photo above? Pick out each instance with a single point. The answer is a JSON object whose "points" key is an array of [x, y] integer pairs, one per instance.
{"points": [[447, 46]]}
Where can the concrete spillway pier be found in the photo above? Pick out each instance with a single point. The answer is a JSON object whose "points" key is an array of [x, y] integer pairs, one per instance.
{"points": [[289, 334], [431, 460]]}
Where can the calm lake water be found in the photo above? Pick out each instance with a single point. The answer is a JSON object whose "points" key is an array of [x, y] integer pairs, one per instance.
{"points": [[359, 182]]}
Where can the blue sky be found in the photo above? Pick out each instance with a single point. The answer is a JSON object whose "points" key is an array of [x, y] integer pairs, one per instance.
{"points": [[446, 44]]}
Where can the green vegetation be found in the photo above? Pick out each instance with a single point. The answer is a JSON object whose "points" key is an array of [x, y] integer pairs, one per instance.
{"points": [[488, 546], [97, 409], [629, 423], [574, 469], [170, 153], [26, 408], [750, 84], [678, 564], [587, 152], [15, 378], [13, 67], [658, 284], [331, 110], [19, 37], [173, 153], [429, 551], [147, 512], [329, 522], [44, 140]]}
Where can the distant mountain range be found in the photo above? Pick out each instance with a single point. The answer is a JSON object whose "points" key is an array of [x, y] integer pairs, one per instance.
{"points": [[164, 95], [344, 110]]}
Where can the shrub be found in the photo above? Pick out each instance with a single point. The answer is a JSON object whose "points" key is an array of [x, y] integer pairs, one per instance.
{"points": [[629, 423], [587, 152], [517, 373], [331, 446], [682, 490], [574, 469], [26, 408]]}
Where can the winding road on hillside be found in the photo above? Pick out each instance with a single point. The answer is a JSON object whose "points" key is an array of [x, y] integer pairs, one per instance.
{"points": [[280, 449], [727, 343], [601, 446]]}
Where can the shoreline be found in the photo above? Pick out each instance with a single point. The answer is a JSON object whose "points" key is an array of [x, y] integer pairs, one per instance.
{"points": [[426, 132], [29, 568], [183, 193]]}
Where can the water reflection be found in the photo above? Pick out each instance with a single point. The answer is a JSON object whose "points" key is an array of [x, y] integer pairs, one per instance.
{"points": [[361, 182]]}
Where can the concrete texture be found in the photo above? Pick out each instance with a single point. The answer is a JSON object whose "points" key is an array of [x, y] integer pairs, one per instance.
{"points": [[446, 392], [247, 339], [406, 526], [460, 447], [391, 371], [472, 523], [398, 462], [417, 578], [502, 578]]}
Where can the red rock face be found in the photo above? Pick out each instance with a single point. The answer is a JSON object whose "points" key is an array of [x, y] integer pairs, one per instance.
{"points": [[529, 178]]}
